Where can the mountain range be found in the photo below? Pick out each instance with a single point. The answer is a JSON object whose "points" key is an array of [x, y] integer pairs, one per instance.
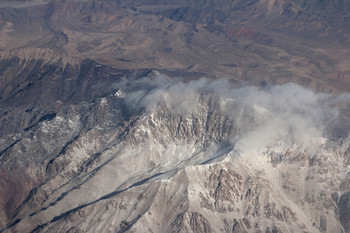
{"points": [[174, 116]]}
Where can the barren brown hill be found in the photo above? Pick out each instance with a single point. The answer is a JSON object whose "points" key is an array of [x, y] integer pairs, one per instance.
{"points": [[258, 41]]}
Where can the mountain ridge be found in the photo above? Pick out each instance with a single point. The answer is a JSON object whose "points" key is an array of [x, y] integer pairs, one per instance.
{"points": [[167, 116]]}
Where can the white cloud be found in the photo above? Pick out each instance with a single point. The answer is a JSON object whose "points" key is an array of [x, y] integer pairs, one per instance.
{"points": [[264, 115]]}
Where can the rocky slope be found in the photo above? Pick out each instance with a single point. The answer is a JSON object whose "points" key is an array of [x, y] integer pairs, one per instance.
{"points": [[107, 124], [173, 157]]}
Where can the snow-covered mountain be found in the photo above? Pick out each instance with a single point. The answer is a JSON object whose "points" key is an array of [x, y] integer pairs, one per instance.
{"points": [[174, 116], [160, 155]]}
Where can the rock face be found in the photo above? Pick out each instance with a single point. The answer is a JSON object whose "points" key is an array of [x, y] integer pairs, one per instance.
{"points": [[107, 124], [131, 151]]}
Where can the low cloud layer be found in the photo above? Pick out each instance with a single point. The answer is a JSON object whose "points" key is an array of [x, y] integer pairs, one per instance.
{"points": [[287, 112]]}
